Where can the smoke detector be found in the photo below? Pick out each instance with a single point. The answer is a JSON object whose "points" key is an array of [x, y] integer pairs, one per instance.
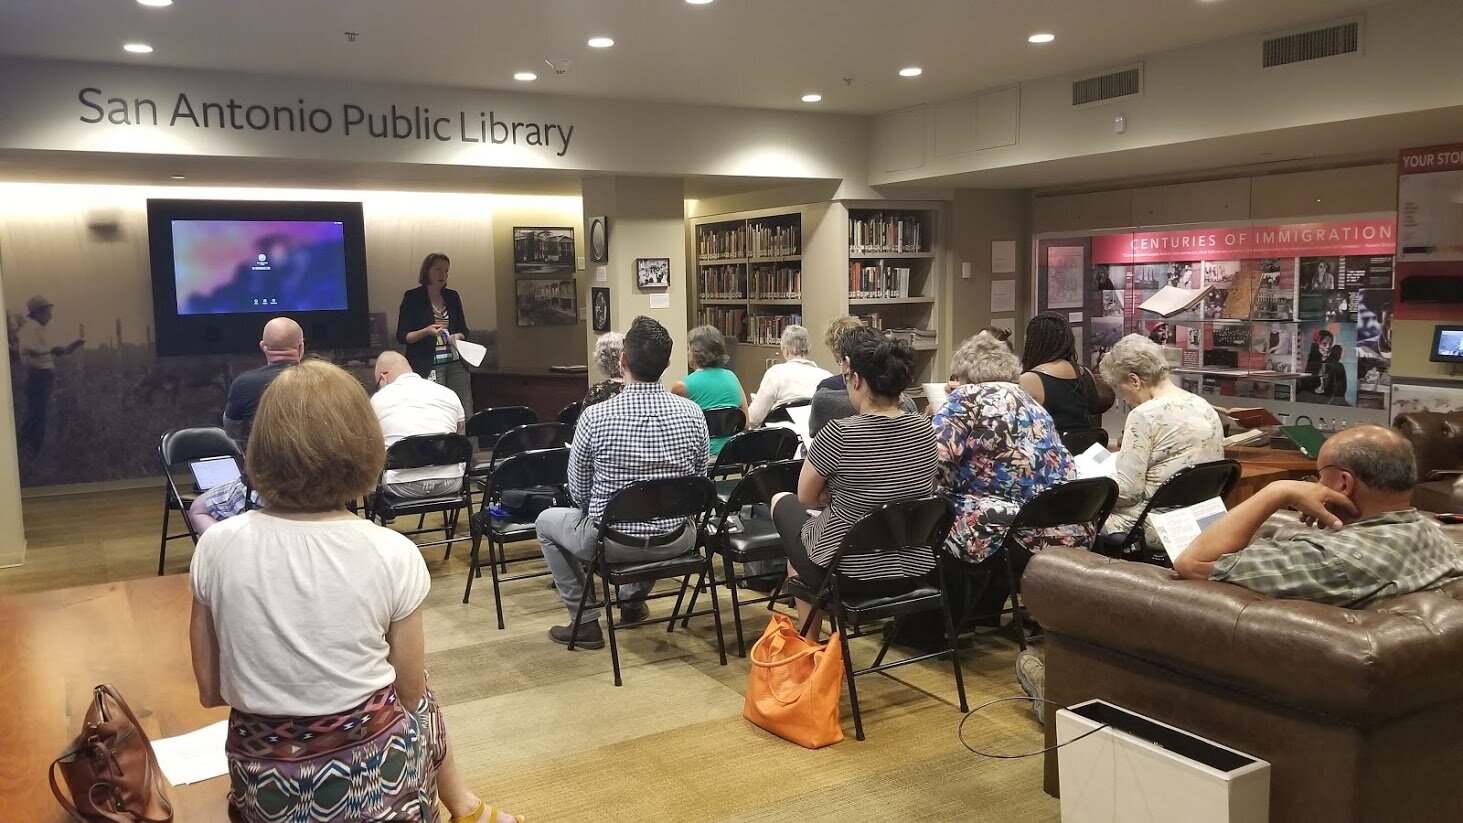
{"points": [[560, 66]]}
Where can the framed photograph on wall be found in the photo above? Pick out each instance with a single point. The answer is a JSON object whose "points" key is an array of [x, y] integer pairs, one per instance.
{"points": [[599, 309], [653, 272], [543, 302], [599, 239], [543, 252]]}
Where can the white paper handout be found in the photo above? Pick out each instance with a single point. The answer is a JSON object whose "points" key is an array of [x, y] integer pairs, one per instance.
{"points": [[471, 352], [195, 756], [800, 415], [1178, 528], [935, 393], [1097, 461]]}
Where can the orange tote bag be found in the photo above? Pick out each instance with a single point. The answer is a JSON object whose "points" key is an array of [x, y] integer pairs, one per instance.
{"points": [[795, 686]]}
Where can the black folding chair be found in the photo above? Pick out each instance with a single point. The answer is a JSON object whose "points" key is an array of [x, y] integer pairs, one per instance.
{"points": [[569, 415], [688, 498], [906, 524], [750, 539], [487, 425], [423, 451], [1187, 486], [181, 446], [1075, 503], [1080, 440], [748, 449], [779, 412], [529, 437], [724, 421], [536, 472]]}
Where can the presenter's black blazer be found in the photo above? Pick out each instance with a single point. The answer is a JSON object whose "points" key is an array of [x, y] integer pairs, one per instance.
{"points": [[416, 313]]}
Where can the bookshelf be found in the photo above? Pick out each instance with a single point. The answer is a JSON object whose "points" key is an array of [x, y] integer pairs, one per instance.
{"points": [[760, 271]]}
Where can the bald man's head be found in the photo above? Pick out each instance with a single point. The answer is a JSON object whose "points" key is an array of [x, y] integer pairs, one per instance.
{"points": [[1378, 457], [283, 340], [389, 366]]}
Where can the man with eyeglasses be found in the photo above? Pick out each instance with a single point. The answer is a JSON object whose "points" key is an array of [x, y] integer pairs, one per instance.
{"points": [[1368, 543]]}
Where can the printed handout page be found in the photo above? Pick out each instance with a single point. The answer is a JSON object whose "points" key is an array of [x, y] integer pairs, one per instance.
{"points": [[471, 352], [1178, 528], [1097, 461], [195, 756], [935, 393]]}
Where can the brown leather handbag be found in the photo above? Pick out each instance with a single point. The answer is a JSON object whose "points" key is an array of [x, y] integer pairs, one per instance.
{"points": [[110, 769]]}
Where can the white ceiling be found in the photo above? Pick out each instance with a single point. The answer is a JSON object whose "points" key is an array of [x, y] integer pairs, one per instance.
{"points": [[751, 53]]}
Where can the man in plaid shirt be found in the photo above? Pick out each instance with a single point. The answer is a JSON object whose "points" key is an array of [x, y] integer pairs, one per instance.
{"points": [[642, 433], [1370, 544]]}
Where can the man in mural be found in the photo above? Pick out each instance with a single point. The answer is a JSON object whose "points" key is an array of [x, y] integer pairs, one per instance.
{"points": [[39, 357], [283, 344]]}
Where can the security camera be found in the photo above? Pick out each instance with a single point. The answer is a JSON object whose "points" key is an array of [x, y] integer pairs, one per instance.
{"points": [[560, 66]]}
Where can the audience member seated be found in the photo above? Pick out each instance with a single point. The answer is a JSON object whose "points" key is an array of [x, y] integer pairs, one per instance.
{"points": [[1370, 544], [1167, 429], [607, 358], [831, 401], [711, 385], [796, 378], [836, 328], [881, 454], [998, 448], [283, 344], [1056, 379], [407, 404], [307, 622], [642, 433]]}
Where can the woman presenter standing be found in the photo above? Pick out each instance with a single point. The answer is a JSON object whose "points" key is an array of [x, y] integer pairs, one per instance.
{"points": [[429, 324]]}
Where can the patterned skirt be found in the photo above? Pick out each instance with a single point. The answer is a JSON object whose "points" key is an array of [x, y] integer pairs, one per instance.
{"points": [[374, 762]]}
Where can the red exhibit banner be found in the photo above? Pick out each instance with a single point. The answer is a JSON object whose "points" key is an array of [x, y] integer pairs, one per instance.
{"points": [[1376, 236], [1431, 159]]}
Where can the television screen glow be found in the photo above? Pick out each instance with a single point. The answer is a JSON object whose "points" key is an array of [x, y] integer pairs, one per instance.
{"points": [[233, 266], [1447, 344]]}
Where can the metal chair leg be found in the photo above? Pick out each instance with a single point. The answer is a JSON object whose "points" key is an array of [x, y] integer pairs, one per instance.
{"points": [[731, 587], [472, 564], [609, 615], [579, 612], [888, 641], [1015, 603], [842, 629], [954, 652], [680, 598], [715, 609], [495, 551], [162, 546]]}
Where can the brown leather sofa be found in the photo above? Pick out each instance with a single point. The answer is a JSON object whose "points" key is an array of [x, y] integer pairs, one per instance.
{"points": [[1359, 712], [1437, 438]]}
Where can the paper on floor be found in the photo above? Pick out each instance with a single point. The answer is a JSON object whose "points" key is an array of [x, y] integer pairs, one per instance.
{"points": [[195, 756]]}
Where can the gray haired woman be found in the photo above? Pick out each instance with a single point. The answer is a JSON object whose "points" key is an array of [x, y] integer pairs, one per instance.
{"points": [[1167, 429], [607, 351], [796, 378], [711, 385]]}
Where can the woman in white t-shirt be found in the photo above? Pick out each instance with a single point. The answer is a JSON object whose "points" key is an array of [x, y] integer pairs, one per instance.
{"points": [[307, 623], [796, 378]]}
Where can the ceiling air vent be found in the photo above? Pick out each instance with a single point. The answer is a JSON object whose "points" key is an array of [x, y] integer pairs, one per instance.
{"points": [[1120, 83], [1344, 38]]}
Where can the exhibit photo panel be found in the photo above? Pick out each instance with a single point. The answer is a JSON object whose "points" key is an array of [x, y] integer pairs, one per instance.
{"points": [[1294, 317]]}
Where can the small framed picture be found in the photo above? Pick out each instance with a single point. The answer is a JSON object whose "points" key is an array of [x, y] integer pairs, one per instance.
{"points": [[599, 302], [599, 239], [653, 272], [543, 302], [543, 252]]}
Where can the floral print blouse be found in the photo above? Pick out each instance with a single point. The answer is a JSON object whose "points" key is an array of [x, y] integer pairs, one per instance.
{"points": [[998, 448]]}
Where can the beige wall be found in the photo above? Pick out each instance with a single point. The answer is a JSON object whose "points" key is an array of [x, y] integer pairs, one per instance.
{"points": [[12, 529], [979, 217]]}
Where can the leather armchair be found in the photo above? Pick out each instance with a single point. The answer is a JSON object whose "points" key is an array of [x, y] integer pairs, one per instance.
{"points": [[1437, 438], [1359, 712]]}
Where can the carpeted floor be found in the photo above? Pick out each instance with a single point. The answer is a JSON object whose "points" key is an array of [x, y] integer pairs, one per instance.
{"points": [[544, 732]]}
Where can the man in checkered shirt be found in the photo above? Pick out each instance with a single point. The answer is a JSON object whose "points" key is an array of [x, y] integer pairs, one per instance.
{"points": [[1370, 545], [642, 433]]}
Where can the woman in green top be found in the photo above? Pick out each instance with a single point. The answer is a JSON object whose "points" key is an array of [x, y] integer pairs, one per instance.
{"points": [[710, 384]]}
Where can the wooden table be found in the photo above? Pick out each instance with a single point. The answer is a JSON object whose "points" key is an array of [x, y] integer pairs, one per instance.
{"points": [[1252, 478], [55, 646], [1293, 462]]}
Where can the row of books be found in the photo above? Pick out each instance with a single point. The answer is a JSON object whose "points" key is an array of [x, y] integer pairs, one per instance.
{"points": [[723, 283], [880, 232], [767, 328], [784, 283], [728, 321], [721, 243], [877, 280], [772, 240]]}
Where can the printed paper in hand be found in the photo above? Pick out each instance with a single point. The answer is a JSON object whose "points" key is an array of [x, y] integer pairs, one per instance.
{"points": [[936, 394], [195, 756], [1178, 528], [1097, 461], [800, 416], [471, 352]]}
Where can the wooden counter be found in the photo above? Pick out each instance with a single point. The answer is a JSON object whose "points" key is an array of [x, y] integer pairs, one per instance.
{"points": [[55, 646], [546, 392]]}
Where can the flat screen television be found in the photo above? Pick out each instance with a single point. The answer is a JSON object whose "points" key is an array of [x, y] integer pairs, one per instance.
{"points": [[221, 269], [1447, 344]]}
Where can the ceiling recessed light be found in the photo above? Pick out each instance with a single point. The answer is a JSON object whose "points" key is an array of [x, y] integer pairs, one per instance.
{"points": [[155, 3], [137, 48], [812, 98], [176, 176], [1041, 37], [600, 42], [911, 71], [524, 75], [698, 2]]}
